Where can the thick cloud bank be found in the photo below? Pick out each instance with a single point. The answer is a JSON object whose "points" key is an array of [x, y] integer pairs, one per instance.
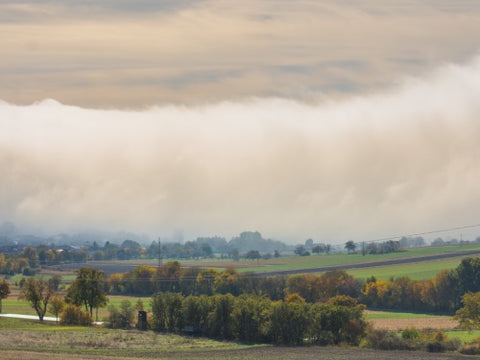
{"points": [[397, 162]]}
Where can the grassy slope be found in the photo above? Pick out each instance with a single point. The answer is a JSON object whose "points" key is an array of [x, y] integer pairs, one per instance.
{"points": [[27, 340]]}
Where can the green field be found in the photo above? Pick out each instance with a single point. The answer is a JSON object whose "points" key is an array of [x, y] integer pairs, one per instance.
{"points": [[463, 335], [16, 278], [420, 270], [14, 306], [397, 315], [30, 335], [302, 262], [417, 271]]}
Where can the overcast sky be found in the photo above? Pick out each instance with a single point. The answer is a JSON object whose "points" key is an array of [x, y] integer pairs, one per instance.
{"points": [[333, 120]]}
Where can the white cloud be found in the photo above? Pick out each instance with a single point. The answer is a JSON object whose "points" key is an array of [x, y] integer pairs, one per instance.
{"points": [[397, 162]]}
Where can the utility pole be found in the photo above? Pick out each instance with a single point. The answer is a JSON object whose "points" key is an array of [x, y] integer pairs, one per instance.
{"points": [[159, 253]]}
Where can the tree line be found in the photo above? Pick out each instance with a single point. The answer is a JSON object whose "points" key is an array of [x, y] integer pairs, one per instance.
{"points": [[316, 309], [443, 293], [171, 277], [250, 318]]}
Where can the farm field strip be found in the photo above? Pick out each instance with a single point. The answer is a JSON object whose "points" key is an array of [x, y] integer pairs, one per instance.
{"points": [[290, 262], [416, 271], [437, 323], [390, 320], [361, 265], [376, 314]]}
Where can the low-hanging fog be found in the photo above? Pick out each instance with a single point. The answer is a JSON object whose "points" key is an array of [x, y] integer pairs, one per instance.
{"points": [[396, 162]]}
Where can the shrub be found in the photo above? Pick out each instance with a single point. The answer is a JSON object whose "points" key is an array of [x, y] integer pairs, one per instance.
{"points": [[435, 347], [387, 340], [470, 349], [74, 315], [29, 272], [410, 333], [123, 318], [438, 342]]}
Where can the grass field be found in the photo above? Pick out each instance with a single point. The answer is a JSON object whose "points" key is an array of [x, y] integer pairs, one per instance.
{"points": [[391, 315], [417, 271], [31, 336], [28, 340], [302, 262], [14, 306], [66, 278], [421, 270], [463, 335]]}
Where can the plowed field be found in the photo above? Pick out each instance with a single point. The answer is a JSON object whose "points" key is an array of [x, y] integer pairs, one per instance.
{"points": [[440, 323], [266, 353]]}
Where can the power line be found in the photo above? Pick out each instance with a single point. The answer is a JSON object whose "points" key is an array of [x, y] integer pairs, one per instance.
{"points": [[393, 237]]}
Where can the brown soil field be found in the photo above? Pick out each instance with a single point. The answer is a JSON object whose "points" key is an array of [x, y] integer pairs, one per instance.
{"points": [[443, 323], [267, 353]]}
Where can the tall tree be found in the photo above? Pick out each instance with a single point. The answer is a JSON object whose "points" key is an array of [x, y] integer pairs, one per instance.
{"points": [[37, 293], [87, 289], [4, 291], [350, 246], [468, 273], [56, 305]]}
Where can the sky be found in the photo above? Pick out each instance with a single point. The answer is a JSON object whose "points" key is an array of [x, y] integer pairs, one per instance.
{"points": [[330, 120]]}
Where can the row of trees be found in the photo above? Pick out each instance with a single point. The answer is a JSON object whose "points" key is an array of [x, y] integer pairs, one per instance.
{"points": [[249, 245], [385, 247], [171, 277], [31, 258], [442, 293], [87, 291], [258, 319]]}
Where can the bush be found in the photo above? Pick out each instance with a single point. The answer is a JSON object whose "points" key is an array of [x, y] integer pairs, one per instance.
{"points": [[73, 315], [439, 342], [435, 347], [470, 349], [123, 318], [410, 333], [387, 340], [29, 272]]}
